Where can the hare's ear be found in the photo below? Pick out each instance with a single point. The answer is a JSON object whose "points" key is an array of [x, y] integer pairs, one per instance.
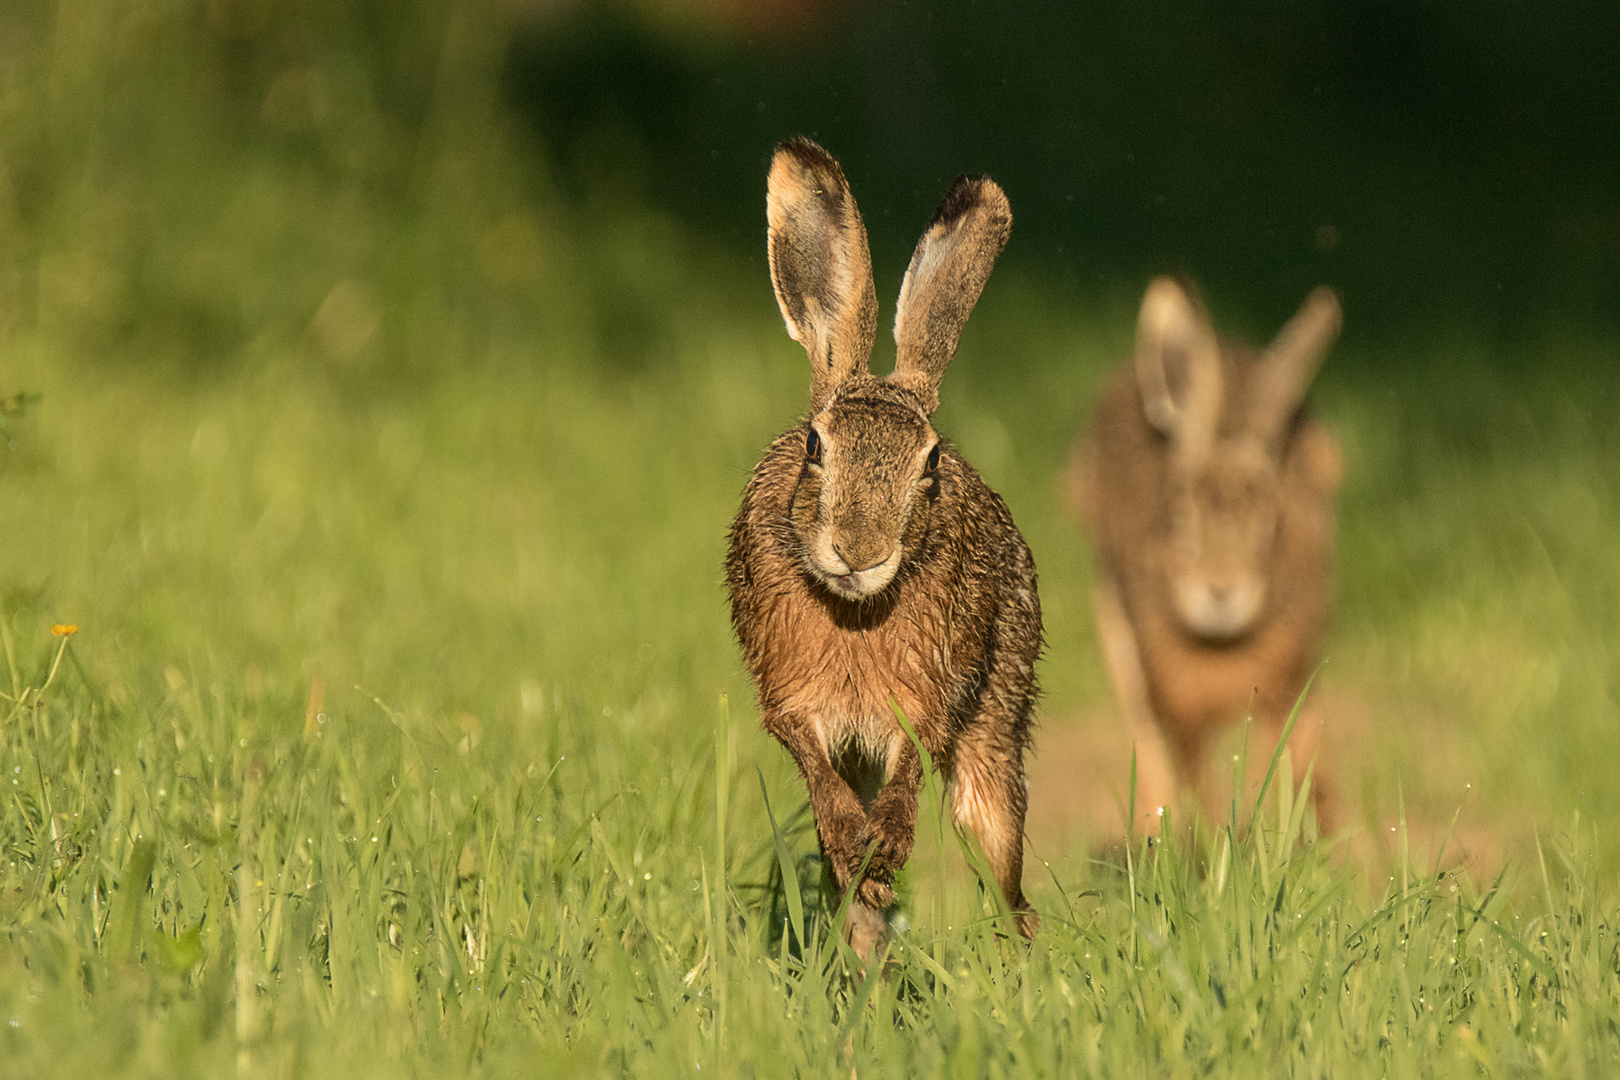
{"points": [[943, 282], [820, 265], [1175, 341], [1290, 362]]}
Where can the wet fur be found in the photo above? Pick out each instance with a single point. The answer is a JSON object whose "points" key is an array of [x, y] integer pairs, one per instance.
{"points": [[953, 637]]}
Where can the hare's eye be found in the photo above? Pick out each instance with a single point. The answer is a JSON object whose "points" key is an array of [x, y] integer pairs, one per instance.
{"points": [[812, 447], [933, 458]]}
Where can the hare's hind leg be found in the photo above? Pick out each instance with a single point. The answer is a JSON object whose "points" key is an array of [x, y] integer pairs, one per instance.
{"points": [[1155, 774], [989, 797]]}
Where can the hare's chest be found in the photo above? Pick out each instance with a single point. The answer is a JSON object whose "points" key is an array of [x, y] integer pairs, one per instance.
{"points": [[846, 681], [1200, 688]]}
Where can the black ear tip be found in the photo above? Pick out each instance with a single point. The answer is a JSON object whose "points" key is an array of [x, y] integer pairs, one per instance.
{"points": [[806, 154], [967, 193]]}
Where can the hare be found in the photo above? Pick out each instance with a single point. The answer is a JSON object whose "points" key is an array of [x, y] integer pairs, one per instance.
{"points": [[870, 564], [1211, 496]]}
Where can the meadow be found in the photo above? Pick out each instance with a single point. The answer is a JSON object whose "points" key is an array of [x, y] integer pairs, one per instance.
{"points": [[401, 731]]}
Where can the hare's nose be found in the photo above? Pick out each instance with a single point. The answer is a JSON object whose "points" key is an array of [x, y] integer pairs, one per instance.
{"points": [[870, 559]]}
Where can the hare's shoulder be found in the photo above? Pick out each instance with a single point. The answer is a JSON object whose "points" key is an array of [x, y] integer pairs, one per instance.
{"points": [[1125, 463], [1313, 463], [981, 571], [772, 482], [762, 523]]}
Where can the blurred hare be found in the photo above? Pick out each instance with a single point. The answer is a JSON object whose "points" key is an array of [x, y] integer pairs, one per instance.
{"points": [[869, 562], [1211, 495]]}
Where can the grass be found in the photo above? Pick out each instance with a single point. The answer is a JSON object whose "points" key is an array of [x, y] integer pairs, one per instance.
{"points": [[390, 740], [403, 731]]}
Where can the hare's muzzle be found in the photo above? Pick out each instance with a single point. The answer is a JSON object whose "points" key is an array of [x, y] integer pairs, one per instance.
{"points": [[1219, 610], [853, 570]]}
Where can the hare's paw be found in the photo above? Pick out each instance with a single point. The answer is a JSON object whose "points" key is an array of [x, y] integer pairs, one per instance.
{"points": [[877, 895], [890, 825], [842, 843]]}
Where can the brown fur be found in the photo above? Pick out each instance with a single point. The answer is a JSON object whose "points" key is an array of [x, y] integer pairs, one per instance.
{"points": [[1130, 482], [869, 572]]}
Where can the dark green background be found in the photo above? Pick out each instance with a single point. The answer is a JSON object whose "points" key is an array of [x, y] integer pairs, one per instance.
{"points": [[1466, 154], [182, 179]]}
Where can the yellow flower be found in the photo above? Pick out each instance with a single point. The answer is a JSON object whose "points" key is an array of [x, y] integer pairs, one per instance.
{"points": [[65, 629]]}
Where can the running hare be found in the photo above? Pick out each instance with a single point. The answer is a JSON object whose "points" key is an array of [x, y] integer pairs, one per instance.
{"points": [[869, 562], [1211, 496]]}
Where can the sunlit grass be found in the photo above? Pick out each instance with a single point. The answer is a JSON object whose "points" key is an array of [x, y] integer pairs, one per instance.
{"points": [[389, 739], [284, 893]]}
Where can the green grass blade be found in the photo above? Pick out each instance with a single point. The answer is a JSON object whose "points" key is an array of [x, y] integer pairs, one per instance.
{"points": [[125, 923], [790, 873], [1282, 745]]}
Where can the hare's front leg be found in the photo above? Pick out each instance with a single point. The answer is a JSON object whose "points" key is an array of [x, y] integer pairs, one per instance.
{"points": [[1155, 775], [891, 827], [840, 821]]}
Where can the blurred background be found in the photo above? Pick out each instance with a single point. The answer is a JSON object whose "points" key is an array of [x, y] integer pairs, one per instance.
{"points": [[427, 346], [1440, 161], [169, 161]]}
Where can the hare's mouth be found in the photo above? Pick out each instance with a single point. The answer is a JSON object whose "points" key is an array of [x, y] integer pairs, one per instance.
{"points": [[1219, 614], [850, 584]]}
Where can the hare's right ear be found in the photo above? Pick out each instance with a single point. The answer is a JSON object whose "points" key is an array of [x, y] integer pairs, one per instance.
{"points": [[1174, 340], [1290, 362], [820, 265]]}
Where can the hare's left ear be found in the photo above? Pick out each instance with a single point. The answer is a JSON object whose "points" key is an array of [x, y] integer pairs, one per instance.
{"points": [[948, 271]]}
